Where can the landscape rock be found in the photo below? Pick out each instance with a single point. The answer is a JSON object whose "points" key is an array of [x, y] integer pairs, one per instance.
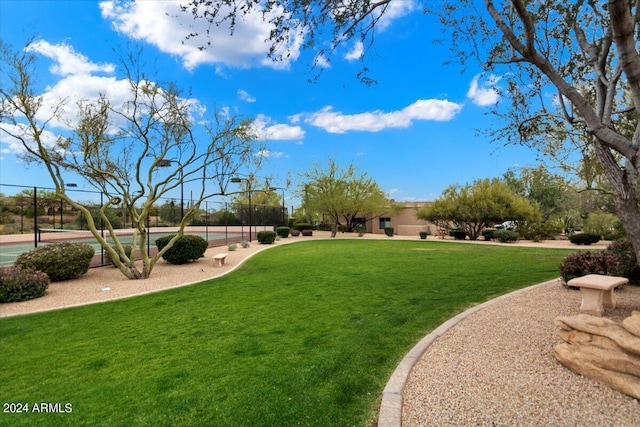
{"points": [[602, 350]]}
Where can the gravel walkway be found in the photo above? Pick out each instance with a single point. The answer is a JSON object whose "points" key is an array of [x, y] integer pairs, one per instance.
{"points": [[495, 367]]}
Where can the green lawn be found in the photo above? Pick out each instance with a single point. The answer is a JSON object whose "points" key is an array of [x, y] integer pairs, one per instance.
{"points": [[302, 334]]}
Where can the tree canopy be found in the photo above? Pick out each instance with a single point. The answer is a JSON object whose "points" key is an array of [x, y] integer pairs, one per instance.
{"points": [[474, 207], [133, 152], [342, 194]]}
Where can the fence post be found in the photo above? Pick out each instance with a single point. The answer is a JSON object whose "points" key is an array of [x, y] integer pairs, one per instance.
{"points": [[35, 217]]}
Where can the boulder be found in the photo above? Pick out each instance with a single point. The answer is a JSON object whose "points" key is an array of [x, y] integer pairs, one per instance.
{"points": [[602, 350]]}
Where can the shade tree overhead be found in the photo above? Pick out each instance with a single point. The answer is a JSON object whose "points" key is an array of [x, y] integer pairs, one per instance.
{"points": [[133, 151]]}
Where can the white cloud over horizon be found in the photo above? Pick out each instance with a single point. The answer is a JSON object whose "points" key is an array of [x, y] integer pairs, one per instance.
{"points": [[423, 109]]}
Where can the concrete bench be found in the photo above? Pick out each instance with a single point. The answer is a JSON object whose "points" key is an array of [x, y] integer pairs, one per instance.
{"points": [[597, 292], [219, 259]]}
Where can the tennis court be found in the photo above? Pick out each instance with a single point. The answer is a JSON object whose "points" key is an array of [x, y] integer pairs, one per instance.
{"points": [[10, 250]]}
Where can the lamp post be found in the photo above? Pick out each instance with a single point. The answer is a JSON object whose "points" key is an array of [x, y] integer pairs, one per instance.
{"points": [[163, 163], [284, 220], [239, 180]]}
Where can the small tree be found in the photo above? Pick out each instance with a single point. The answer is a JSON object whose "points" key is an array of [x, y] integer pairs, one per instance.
{"points": [[342, 194], [124, 149], [477, 206]]}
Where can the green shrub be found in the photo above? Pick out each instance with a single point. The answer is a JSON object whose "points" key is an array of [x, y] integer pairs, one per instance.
{"points": [[584, 238], [488, 233], [423, 234], [107, 256], [389, 231], [458, 234], [505, 236], [588, 262], [300, 226], [267, 237], [282, 231], [623, 251], [22, 284], [187, 248], [61, 261], [307, 232]]}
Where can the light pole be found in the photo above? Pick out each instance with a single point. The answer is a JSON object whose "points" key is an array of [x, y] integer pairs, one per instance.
{"points": [[163, 163], [236, 181], [284, 219]]}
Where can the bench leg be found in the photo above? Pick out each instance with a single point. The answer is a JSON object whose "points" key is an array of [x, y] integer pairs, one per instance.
{"points": [[608, 299], [218, 262], [592, 300]]}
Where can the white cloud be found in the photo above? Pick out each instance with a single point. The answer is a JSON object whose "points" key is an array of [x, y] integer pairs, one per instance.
{"points": [[375, 121], [486, 94], [266, 130], [164, 25], [321, 61], [267, 153], [78, 83], [395, 10], [66, 61], [245, 96], [356, 52]]}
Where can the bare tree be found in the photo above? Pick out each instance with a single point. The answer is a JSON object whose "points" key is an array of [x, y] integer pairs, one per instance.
{"points": [[134, 153]]}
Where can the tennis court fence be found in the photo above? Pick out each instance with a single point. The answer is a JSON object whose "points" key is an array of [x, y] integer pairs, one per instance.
{"points": [[35, 214]]}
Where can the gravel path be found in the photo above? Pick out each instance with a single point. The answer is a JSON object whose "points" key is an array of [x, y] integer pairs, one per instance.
{"points": [[496, 367]]}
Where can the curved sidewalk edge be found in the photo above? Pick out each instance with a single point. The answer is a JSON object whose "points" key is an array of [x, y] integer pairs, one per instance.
{"points": [[390, 413]]}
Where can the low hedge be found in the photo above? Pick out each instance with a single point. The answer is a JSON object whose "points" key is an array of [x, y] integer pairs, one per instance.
{"points": [[266, 237], [283, 231], [458, 234], [22, 284], [389, 231], [300, 226], [584, 239], [186, 249], [61, 261], [505, 236]]}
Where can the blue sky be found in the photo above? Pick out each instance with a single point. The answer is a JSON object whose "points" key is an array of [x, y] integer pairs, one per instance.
{"points": [[414, 132]]}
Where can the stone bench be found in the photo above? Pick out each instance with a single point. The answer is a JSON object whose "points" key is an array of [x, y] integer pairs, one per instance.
{"points": [[219, 259], [597, 292]]}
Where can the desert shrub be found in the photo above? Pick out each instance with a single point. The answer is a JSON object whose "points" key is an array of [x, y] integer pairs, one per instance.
{"points": [[584, 238], [458, 234], [487, 233], [107, 256], [282, 231], [187, 248], [295, 233], [505, 236], [307, 232], [588, 262], [601, 224], [302, 226], [266, 237], [61, 261], [232, 247], [245, 244], [22, 284], [623, 251], [389, 231]]}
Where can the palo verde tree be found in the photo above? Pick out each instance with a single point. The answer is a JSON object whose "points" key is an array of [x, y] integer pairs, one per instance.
{"points": [[133, 152], [340, 194], [567, 68], [478, 206]]}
